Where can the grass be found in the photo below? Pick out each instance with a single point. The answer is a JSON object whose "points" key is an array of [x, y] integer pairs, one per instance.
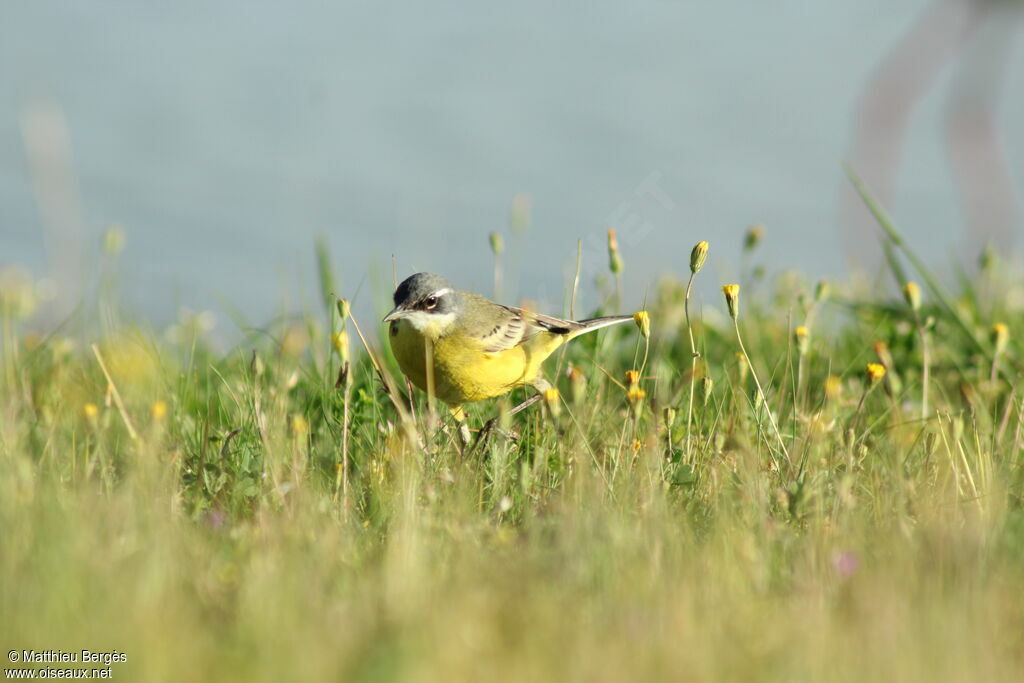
{"points": [[275, 518]]}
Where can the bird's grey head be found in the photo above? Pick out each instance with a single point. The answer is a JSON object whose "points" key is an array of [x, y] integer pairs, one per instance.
{"points": [[425, 297]]}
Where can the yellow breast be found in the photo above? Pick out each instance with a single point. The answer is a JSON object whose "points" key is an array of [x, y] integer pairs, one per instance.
{"points": [[462, 371]]}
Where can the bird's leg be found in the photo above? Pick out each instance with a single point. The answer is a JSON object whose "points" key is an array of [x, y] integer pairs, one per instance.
{"points": [[460, 416], [491, 426], [541, 385]]}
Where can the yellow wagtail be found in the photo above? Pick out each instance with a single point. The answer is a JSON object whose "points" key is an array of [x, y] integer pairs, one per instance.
{"points": [[476, 349]]}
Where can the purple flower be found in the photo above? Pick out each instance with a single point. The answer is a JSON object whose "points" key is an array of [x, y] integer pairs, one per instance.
{"points": [[845, 563]]}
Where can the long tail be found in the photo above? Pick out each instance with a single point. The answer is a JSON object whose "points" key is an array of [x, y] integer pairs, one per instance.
{"points": [[569, 328], [584, 326]]}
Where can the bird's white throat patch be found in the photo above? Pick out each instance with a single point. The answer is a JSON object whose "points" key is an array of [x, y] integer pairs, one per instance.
{"points": [[430, 325]]}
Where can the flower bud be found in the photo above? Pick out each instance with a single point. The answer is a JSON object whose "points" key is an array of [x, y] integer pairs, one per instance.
{"points": [[698, 256], [614, 258], [802, 336], [497, 243], [339, 340], [753, 237], [577, 384], [912, 295], [344, 308], [636, 396], [551, 402], [743, 368], [1000, 337], [732, 298], [821, 291], [707, 385], [669, 416], [113, 240]]}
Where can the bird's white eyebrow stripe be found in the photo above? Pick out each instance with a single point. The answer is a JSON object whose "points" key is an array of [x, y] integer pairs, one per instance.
{"points": [[442, 292]]}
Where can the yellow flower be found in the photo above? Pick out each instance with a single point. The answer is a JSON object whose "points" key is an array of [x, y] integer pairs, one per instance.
{"points": [[91, 411], [698, 256], [912, 295], [299, 425], [158, 411], [632, 378], [732, 298], [875, 371], [551, 401], [643, 321]]}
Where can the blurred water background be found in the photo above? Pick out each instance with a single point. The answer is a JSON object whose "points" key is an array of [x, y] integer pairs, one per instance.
{"points": [[223, 137]]}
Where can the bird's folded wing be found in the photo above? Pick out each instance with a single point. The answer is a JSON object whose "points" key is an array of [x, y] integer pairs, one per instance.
{"points": [[508, 327]]}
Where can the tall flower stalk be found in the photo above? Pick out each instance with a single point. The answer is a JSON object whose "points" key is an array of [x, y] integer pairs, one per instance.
{"points": [[912, 295], [697, 258], [732, 299]]}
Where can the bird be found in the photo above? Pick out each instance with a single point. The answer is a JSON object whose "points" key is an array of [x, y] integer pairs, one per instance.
{"points": [[461, 347]]}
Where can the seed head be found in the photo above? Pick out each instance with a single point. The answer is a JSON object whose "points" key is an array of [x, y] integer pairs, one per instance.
{"points": [[698, 256], [732, 298], [643, 321], [875, 373], [912, 295]]}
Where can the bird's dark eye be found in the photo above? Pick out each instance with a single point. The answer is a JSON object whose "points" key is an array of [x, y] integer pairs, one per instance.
{"points": [[431, 301]]}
